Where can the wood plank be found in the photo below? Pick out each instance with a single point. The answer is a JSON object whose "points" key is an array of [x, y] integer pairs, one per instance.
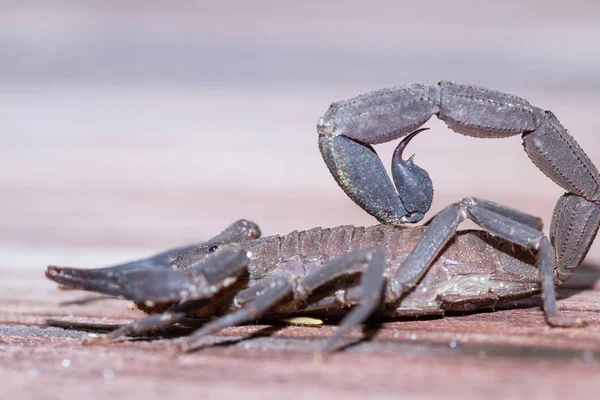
{"points": [[504, 354]]}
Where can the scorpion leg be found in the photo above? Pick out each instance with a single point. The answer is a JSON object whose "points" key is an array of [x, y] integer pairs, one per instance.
{"points": [[274, 292], [259, 299], [523, 218], [497, 222], [171, 316], [371, 291]]}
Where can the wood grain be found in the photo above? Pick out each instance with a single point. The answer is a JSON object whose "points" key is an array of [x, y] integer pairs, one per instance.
{"points": [[509, 353]]}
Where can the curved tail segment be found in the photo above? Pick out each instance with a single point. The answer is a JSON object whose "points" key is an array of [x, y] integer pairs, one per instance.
{"points": [[350, 127], [576, 216]]}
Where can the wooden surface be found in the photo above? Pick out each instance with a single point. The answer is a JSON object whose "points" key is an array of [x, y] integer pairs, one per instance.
{"points": [[503, 354], [126, 130]]}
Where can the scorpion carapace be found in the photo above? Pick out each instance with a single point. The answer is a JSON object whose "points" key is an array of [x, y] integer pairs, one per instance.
{"points": [[388, 270], [349, 127]]}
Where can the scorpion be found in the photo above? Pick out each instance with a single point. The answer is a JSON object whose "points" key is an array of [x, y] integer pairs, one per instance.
{"points": [[390, 269]]}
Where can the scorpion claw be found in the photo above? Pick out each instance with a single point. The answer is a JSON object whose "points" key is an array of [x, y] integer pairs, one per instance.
{"points": [[149, 285]]}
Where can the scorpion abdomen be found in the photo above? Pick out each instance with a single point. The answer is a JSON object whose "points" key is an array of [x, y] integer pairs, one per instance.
{"points": [[469, 273]]}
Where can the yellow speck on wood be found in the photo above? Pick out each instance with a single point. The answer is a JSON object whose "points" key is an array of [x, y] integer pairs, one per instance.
{"points": [[303, 321]]}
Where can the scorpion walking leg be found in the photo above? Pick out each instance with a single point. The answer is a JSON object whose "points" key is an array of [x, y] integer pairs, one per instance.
{"points": [[518, 216], [444, 225], [274, 292], [174, 314], [372, 282], [262, 297]]}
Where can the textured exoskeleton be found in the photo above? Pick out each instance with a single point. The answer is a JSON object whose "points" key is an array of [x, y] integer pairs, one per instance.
{"points": [[349, 127], [384, 269]]}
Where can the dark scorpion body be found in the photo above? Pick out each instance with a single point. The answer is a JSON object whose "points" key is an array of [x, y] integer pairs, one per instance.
{"points": [[476, 270], [384, 269], [238, 277]]}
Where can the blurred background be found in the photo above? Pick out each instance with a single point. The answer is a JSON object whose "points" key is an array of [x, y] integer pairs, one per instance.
{"points": [[129, 127]]}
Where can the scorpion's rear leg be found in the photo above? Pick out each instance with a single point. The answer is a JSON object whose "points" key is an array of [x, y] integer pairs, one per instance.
{"points": [[270, 294], [267, 294], [171, 316], [498, 220]]}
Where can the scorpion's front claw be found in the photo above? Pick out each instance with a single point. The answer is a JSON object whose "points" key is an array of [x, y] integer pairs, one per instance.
{"points": [[150, 284]]}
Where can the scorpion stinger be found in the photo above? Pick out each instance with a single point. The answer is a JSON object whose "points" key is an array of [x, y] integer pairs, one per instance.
{"points": [[361, 174], [346, 133], [413, 183]]}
